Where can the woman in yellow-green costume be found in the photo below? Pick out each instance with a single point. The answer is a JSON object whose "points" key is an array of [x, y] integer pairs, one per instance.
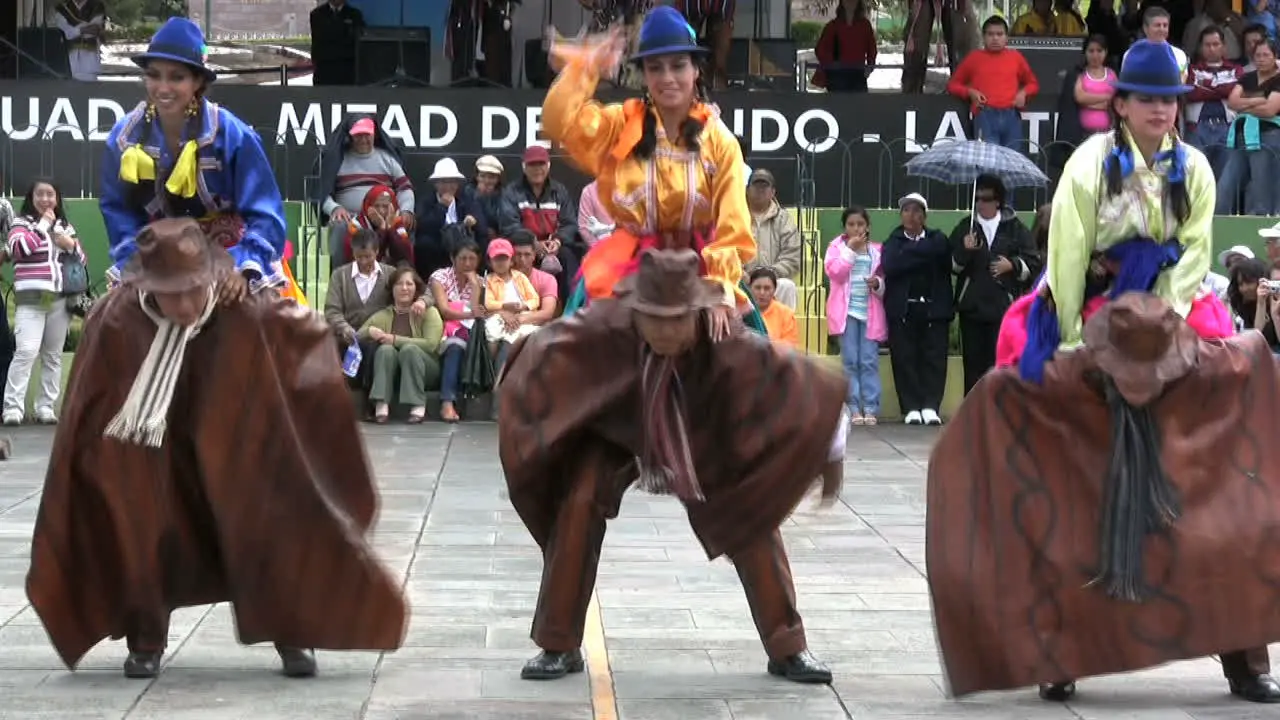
{"points": [[179, 155]]}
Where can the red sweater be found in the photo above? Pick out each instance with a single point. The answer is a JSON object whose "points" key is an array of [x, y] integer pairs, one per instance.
{"points": [[845, 45], [998, 75]]}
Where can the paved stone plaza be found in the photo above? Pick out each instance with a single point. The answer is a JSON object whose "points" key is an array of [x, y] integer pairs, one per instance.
{"points": [[680, 642]]}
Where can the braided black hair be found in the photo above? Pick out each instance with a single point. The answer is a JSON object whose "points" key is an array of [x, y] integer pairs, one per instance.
{"points": [[690, 129], [1175, 192]]}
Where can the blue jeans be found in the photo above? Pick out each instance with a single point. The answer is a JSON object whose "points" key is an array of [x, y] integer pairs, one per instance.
{"points": [[451, 373], [1211, 139], [861, 359], [1255, 170], [1000, 127]]}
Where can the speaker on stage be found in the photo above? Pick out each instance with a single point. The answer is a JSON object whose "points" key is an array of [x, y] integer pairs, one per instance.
{"points": [[393, 56]]}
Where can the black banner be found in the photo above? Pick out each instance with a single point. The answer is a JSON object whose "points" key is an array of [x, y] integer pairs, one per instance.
{"points": [[825, 150]]}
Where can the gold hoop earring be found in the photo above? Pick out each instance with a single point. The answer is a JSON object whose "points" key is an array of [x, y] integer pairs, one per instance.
{"points": [[193, 107], [150, 114]]}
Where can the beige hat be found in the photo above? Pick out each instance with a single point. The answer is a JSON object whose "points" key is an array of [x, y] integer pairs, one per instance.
{"points": [[913, 198], [489, 164]]}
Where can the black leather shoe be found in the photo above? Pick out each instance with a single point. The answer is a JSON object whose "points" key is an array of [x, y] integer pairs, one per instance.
{"points": [[802, 667], [297, 662], [1257, 688], [142, 665], [1057, 692], [552, 665]]}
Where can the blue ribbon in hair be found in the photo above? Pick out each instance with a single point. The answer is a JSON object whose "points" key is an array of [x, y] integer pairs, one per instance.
{"points": [[1175, 158]]}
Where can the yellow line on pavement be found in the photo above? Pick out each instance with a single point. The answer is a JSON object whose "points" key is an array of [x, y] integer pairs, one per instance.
{"points": [[604, 704]]}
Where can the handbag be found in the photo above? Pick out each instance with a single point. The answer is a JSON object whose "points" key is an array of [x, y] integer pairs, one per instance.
{"points": [[75, 276]]}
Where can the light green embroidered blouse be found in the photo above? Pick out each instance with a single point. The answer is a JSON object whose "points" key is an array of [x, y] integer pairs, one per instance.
{"points": [[1085, 219]]}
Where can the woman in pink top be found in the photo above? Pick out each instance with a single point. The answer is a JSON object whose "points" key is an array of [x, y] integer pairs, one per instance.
{"points": [[1094, 88], [594, 222]]}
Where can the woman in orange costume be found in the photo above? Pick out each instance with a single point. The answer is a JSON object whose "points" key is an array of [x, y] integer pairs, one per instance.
{"points": [[668, 170]]}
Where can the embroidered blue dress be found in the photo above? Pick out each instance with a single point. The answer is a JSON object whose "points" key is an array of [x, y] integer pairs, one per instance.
{"points": [[221, 177]]}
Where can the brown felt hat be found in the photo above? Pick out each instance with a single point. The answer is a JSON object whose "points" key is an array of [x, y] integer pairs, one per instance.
{"points": [[175, 255], [667, 284], [1142, 344]]}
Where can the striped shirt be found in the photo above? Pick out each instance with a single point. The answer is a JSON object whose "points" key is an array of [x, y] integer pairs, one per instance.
{"points": [[859, 293], [359, 173], [35, 257]]}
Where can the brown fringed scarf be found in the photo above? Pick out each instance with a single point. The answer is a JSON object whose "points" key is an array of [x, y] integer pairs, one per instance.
{"points": [[666, 465]]}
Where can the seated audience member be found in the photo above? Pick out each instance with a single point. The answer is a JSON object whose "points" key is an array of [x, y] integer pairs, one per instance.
{"points": [[509, 301], [778, 245], [1249, 295], [365, 157], [543, 206], [779, 319], [405, 349], [457, 292], [1039, 20], [594, 221], [526, 254], [445, 216], [486, 187], [379, 216]]}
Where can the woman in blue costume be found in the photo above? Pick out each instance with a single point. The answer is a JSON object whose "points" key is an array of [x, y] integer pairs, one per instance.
{"points": [[179, 155]]}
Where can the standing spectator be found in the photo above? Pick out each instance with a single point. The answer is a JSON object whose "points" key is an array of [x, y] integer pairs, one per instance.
{"points": [[1155, 28], [1093, 90], [778, 245], [6, 333], [1216, 13], [994, 258], [997, 82], [1067, 21], [1039, 20], [1102, 20], [352, 166], [779, 320], [40, 242], [1253, 140], [445, 216], [82, 23], [1252, 37], [918, 309], [846, 49], [712, 20], [855, 312], [1212, 78], [594, 221], [405, 365], [544, 207], [335, 28]]}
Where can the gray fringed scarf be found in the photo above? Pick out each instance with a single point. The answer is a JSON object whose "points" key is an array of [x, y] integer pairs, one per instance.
{"points": [[143, 417]]}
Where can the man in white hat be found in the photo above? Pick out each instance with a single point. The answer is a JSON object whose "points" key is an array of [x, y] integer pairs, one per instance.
{"points": [[1272, 237], [444, 215]]}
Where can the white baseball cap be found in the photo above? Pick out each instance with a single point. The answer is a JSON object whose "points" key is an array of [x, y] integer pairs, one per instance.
{"points": [[1270, 233], [1241, 250], [913, 198]]}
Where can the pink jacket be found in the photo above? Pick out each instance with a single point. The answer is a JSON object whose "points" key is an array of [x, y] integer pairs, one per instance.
{"points": [[590, 208], [838, 267]]}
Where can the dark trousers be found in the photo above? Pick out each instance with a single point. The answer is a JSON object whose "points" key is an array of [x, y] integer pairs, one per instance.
{"points": [[918, 356], [847, 80], [978, 349], [569, 263], [572, 556]]}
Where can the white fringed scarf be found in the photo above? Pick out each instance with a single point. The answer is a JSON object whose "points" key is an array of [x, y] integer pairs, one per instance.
{"points": [[143, 418]]}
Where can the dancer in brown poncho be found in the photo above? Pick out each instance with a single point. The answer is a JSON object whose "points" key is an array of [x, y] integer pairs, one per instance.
{"points": [[635, 387], [231, 471], [1121, 515]]}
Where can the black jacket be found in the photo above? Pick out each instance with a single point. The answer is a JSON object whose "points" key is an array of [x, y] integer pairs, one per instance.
{"points": [[333, 44], [555, 213], [978, 295], [928, 258], [336, 148], [431, 216]]}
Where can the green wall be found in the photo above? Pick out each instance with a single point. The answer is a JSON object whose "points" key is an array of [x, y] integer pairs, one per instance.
{"points": [[1227, 231]]}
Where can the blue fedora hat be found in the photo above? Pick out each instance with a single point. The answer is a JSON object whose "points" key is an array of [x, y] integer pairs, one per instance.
{"points": [[1150, 68], [665, 32], [178, 40]]}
